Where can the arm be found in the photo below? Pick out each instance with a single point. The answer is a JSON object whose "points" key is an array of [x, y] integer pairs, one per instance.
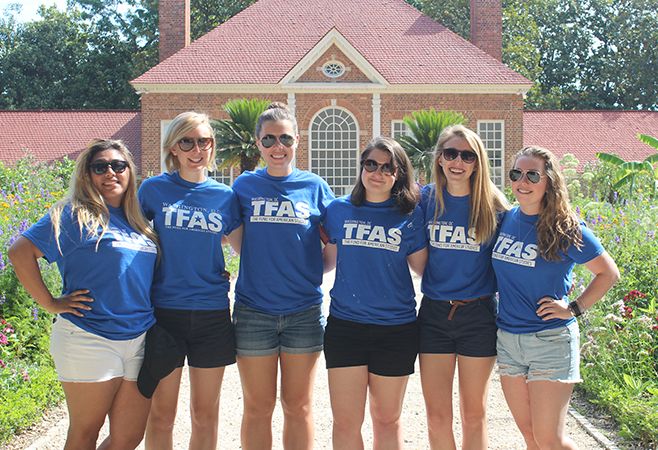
{"points": [[417, 261], [235, 239], [329, 255], [606, 275], [24, 255]]}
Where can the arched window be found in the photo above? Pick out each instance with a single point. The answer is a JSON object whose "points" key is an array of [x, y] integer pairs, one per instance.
{"points": [[334, 148]]}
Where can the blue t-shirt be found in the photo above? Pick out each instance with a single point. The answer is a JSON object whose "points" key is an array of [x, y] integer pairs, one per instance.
{"points": [[458, 268], [118, 274], [190, 219], [524, 277], [373, 283], [281, 257]]}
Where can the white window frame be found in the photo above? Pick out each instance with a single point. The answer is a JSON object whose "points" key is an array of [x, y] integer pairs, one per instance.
{"points": [[344, 188], [497, 178], [405, 129]]}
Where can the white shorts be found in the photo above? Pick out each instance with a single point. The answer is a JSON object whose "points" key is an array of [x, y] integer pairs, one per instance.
{"points": [[84, 357]]}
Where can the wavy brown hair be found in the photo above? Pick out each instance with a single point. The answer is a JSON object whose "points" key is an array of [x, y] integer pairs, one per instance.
{"points": [[558, 226], [404, 191], [486, 199], [88, 205]]}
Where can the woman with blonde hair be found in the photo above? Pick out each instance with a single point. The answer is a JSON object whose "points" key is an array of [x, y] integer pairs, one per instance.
{"points": [[106, 254], [540, 242], [191, 213], [371, 340], [457, 316]]}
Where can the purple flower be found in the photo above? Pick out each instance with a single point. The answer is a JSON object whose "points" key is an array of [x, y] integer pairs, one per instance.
{"points": [[20, 187], [19, 199], [2, 262], [35, 313], [651, 234], [615, 195], [617, 239], [578, 210], [23, 226]]}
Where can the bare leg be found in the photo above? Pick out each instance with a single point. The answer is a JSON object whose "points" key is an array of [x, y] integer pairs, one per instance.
{"points": [[347, 388], [386, 397], [160, 425], [518, 400], [128, 417], [436, 374], [297, 379], [205, 386], [474, 374], [258, 375], [549, 401]]}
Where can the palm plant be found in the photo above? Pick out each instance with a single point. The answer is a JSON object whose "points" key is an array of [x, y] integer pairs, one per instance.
{"points": [[425, 126], [235, 136], [629, 171]]}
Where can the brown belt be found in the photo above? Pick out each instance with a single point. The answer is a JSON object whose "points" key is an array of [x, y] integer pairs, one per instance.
{"points": [[457, 303]]}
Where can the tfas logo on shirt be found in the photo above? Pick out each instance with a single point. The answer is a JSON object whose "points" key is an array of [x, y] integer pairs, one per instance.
{"points": [[447, 236], [516, 252], [193, 219], [283, 211], [366, 235]]}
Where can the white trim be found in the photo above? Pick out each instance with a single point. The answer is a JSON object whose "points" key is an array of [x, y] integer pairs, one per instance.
{"points": [[292, 103], [331, 87], [334, 62], [407, 132], [333, 37], [376, 115], [163, 129], [503, 178]]}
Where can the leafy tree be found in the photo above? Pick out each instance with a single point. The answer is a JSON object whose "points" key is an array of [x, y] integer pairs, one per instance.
{"points": [[235, 137], [425, 127]]}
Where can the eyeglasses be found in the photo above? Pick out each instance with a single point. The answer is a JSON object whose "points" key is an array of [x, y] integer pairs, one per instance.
{"points": [[370, 165], [187, 144], [467, 156], [285, 139], [100, 167], [533, 176]]}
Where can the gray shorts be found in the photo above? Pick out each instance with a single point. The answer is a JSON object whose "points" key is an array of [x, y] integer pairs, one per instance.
{"points": [[547, 355]]}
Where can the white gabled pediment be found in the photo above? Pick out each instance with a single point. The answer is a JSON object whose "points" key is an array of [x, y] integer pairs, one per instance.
{"points": [[333, 38]]}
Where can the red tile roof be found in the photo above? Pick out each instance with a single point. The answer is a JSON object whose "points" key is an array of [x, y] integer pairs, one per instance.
{"points": [[264, 42], [51, 135], [584, 133]]}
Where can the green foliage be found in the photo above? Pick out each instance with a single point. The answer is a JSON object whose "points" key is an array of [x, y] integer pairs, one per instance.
{"points": [[235, 137], [620, 334], [27, 380], [425, 127]]}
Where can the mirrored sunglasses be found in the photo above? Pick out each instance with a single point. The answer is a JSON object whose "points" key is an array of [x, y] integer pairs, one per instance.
{"points": [[101, 167], [187, 144], [467, 156], [370, 165], [533, 176], [269, 140]]}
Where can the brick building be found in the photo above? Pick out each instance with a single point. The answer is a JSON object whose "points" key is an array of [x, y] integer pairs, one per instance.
{"points": [[349, 70]]}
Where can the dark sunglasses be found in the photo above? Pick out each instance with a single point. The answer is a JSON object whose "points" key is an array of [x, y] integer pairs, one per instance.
{"points": [[533, 176], [467, 156], [370, 165], [285, 139], [100, 167], [187, 144]]}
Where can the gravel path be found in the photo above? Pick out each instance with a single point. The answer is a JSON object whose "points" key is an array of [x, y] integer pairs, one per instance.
{"points": [[503, 434]]}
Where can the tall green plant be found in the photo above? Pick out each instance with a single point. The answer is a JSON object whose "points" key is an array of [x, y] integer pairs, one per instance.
{"points": [[235, 136], [425, 127], [628, 172]]}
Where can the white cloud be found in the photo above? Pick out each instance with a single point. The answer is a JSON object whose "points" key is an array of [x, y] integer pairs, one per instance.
{"points": [[30, 7]]}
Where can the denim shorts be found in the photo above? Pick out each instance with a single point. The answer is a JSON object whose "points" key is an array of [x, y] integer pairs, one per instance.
{"points": [[84, 357], [261, 334], [547, 355]]}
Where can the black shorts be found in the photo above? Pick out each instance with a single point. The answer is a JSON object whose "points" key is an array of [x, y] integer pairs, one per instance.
{"points": [[387, 350], [471, 332], [206, 337]]}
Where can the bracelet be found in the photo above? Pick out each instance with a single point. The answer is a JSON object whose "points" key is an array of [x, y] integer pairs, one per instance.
{"points": [[574, 307]]}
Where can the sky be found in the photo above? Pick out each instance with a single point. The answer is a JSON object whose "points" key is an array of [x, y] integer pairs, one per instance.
{"points": [[29, 10]]}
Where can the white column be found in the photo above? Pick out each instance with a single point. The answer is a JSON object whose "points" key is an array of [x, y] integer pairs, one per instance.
{"points": [[376, 115], [292, 106]]}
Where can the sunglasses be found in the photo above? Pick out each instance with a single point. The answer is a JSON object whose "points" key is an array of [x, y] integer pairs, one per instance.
{"points": [[533, 176], [467, 156], [100, 167], [187, 144], [285, 139], [370, 165]]}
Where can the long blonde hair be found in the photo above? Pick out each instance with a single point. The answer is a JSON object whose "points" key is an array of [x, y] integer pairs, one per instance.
{"points": [[89, 206], [486, 199], [177, 129], [558, 226]]}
